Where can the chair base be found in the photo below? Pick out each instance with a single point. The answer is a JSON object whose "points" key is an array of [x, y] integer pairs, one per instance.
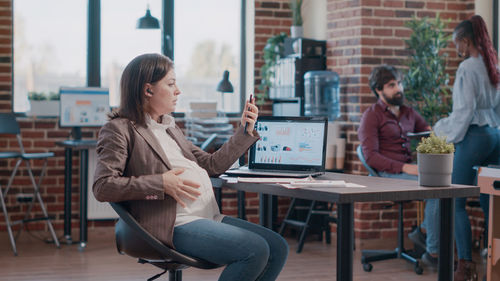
{"points": [[369, 256], [174, 269]]}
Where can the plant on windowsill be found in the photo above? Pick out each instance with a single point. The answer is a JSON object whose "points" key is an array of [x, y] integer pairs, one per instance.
{"points": [[43, 105], [435, 161], [426, 81], [296, 30], [271, 53]]}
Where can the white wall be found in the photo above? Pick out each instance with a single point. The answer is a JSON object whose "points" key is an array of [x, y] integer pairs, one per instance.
{"points": [[314, 19], [484, 8], [250, 47]]}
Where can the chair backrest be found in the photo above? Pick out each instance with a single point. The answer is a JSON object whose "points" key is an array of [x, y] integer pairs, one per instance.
{"points": [[132, 239], [209, 142], [361, 157], [9, 125]]}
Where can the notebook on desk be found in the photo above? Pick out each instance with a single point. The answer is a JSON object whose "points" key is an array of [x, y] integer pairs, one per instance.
{"points": [[288, 147]]}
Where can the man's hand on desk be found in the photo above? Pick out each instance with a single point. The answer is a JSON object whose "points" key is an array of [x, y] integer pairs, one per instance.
{"points": [[410, 169]]}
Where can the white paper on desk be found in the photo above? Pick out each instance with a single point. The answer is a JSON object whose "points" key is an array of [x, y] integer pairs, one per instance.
{"points": [[320, 183], [267, 180]]}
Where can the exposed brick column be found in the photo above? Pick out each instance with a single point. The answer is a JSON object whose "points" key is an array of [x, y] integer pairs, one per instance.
{"points": [[5, 55], [363, 34], [271, 18]]}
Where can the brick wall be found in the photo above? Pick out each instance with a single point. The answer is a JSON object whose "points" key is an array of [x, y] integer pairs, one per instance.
{"points": [[363, 34], [41, 134], [5, 54]]}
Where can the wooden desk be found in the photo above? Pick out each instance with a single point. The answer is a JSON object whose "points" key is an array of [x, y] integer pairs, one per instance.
{"points": [[377, 189], [489, 182]]}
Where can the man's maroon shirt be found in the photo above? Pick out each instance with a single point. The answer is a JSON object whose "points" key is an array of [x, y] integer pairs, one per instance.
{"points": [[383, 136]]}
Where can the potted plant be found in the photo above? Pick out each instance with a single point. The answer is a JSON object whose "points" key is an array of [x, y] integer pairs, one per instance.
{"points": [[435, 161], [42, 104], [426, 80], [271, 53], [296, 30]]}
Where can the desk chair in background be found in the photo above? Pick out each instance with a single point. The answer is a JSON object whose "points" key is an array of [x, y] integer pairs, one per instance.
{"points": [[207, 144], [368, 256], [9, 126], [132, 239]]}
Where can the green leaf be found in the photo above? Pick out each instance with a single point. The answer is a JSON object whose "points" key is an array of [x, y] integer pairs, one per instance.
{"points": [[426, 80]]}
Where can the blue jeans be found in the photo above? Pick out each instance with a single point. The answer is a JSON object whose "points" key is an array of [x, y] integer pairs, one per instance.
{"points": [[431, 215], [250, 251], [480, 147]]}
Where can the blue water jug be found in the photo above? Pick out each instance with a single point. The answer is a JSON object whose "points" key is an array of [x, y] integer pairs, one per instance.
{"points": [[322, 94]]}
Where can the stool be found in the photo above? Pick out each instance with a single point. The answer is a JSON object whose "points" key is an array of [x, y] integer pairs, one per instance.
{"points": [[314, 208]]}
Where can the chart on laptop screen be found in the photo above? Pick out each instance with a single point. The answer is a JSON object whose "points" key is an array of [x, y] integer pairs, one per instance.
{"points": [[289, 143]]}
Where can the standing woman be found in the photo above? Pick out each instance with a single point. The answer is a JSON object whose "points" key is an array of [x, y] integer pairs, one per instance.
{"points": [[473, 124], [144, 160]]}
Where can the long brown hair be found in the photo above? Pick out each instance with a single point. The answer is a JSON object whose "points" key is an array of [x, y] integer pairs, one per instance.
{"points": [[475, 30], [147, 68]]}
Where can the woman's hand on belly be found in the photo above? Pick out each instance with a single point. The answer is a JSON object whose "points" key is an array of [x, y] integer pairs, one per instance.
{"points": [[179, 188]]}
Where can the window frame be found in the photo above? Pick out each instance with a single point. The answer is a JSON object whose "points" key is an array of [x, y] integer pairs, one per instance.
{"points": [[167, 33]]}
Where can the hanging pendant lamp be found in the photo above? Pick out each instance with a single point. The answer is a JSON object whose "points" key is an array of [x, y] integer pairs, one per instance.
{"points": [[148, 21]]}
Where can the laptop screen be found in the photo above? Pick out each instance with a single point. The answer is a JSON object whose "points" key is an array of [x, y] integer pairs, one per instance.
{"points": [[289, 143]]}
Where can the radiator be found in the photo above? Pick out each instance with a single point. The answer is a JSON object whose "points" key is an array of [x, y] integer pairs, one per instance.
{"points": [[96, 210]]}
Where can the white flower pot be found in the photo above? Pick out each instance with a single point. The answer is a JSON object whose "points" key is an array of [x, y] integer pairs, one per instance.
{"points": [[44, 108], [435, 169], [296, 31]]}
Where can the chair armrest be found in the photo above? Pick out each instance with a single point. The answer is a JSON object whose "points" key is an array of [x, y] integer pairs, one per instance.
{"points": [[208, 142]]}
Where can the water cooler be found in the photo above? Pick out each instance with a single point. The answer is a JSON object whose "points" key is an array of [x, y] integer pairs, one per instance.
{"points": [[322, 98]]}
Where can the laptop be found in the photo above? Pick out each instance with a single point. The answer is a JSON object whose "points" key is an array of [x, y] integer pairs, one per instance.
{"points": [[288, 147]]}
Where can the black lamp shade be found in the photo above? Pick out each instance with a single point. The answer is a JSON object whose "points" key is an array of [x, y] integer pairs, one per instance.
{"points": [[148, 21], [224, 85]]}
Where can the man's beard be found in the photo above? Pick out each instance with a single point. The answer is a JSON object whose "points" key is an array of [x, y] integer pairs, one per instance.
{"points": [[396, 100]]}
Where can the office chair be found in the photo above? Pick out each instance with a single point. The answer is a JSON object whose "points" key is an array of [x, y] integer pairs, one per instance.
{"points": [[132, 239], [368, 256], [207, 144], [9, 126]]}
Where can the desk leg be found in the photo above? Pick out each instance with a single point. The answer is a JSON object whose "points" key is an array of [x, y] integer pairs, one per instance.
{"points": [[218, 197], [84, 155], [68, 153], [447, 207], [273, 207], [345, 242], [493, 266], [265, 209], [241, 205]]}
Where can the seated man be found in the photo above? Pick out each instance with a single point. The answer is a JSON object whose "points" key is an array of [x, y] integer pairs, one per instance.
{"points": [[386, 147]]}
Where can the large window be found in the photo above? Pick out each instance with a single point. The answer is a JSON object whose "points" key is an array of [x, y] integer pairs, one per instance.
{"points": [[50, 47], [121, 41], [207, 42]]}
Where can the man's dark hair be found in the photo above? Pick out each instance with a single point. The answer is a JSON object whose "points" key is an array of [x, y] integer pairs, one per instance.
{"points": [[381, 75]]}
